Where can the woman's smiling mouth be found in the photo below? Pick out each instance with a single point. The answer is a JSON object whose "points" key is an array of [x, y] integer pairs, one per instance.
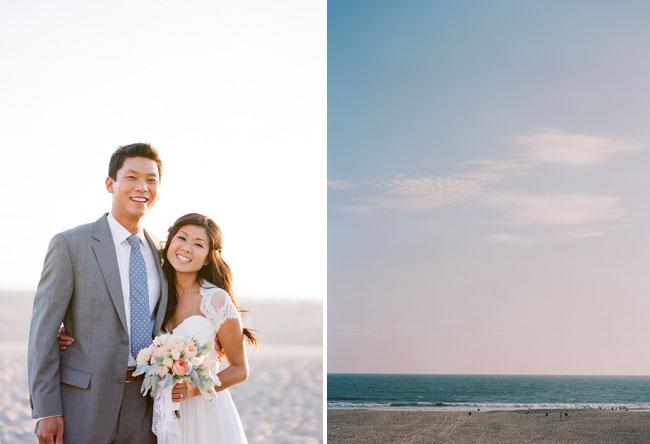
{"points": [[183, 259]]}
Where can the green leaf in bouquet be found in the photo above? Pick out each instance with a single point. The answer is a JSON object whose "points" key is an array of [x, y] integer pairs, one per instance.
{"points": [[194, 378], [205, 348], [167, 381], [141, 369], [146, 385]]}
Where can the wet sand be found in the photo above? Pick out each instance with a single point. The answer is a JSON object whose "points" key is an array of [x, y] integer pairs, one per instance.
{"points": [[580, 426], [281, 402]]}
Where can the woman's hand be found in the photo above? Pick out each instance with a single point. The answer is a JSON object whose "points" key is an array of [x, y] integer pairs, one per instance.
{"points": [[182, 391], [64, 340]]}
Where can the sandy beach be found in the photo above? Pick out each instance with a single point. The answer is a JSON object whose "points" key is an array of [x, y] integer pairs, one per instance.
{"points": [[580, 426], [281, 402]]}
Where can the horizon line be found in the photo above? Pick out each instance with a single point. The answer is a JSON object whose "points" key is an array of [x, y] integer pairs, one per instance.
{"points": [[488, 374]]}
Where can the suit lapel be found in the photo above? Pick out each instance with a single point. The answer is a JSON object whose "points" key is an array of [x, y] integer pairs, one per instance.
{"points": [[107, 259], [161, 306]]}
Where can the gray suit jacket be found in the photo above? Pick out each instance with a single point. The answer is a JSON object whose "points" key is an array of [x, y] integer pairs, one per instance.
{"points": [[80, 286]]}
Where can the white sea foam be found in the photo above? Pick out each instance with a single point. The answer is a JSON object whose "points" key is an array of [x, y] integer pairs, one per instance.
{"points": [[469, 407]]}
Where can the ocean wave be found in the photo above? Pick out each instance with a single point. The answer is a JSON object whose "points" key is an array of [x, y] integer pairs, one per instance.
{"points": [[496, 406]]}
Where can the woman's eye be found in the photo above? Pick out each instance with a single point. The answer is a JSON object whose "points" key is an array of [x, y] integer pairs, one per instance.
{"points": [[181, 238], [199, 245]]}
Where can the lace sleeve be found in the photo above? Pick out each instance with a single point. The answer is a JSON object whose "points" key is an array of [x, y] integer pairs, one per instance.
{"points": [[217, 307]]}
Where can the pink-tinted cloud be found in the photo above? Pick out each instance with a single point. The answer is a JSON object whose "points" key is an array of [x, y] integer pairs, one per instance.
{"points": [[555, 209], [509, 238], [572, 149]]}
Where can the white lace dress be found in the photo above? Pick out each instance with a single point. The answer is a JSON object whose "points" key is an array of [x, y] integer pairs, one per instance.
{"points": [[205, 421]]}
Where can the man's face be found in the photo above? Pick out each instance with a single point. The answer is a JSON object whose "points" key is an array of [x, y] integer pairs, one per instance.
{"points": [[135, 189]]}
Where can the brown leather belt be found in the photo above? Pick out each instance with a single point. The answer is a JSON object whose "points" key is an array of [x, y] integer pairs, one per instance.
{"points": [[129, 375]]}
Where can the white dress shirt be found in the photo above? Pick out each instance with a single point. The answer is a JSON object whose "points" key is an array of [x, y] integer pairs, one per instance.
{"points": [[123, 252]]}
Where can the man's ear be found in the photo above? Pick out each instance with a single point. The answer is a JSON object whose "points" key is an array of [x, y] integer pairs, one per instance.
{"points": [[109, 184]]}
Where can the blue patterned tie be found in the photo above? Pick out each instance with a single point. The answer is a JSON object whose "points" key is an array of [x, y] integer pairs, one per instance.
{"points": [[141, 320]]}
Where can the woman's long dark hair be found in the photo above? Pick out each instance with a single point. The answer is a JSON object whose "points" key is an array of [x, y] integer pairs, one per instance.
{"points": [[216, 271]]}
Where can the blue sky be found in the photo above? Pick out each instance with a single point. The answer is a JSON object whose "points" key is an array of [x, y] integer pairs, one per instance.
{"points": [[487, 205]]}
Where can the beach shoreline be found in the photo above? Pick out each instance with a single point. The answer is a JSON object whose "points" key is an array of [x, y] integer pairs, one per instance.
{"points": [[488, 408], [539, 426], [482, 409]]}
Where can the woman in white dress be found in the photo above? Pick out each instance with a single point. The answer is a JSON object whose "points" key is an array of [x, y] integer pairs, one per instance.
{"points": [[200, 303]]}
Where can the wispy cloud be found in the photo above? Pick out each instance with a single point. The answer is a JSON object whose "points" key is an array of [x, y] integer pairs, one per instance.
{"points": [[555, 209], [584, 234], [419, 192], [341, 184], [429, 192], [477, 179], [496, 168], [559, 147], [509, 238]]}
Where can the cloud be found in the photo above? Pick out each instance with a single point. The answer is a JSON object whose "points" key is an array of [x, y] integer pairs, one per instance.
{"points": [[426, 192], [341, 184], [584, 234], [555, 209], [419, 192], [497, 168], [559, 147], [477, 178], [509, 238]]}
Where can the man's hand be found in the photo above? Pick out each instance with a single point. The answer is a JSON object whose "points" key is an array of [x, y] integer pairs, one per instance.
{"points": [[64, 339], [50, 430]]}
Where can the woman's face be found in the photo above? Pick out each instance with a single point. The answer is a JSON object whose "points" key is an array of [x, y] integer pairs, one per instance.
{"points": [[188, 249]]}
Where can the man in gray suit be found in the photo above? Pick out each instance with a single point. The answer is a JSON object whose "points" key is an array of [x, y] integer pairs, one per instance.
{"points": [[104, 282]]}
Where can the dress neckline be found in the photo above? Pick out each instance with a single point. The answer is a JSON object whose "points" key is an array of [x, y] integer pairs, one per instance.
{"points": [[202, 292], [189, 317]]}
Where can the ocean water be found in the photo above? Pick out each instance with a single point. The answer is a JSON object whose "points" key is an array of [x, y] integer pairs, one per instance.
{"points": [[472, 392]]}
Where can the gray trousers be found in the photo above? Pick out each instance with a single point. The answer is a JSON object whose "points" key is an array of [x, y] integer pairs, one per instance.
{"points": [[134, 420]]}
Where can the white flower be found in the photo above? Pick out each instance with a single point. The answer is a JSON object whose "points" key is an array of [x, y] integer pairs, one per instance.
{"points": [[176, 354], [162, 371], [176, 339], [160, 340], [168, 362], [143, 356], [196, 360]]}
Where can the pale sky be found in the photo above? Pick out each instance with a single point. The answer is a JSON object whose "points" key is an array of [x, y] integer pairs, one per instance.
{"points": [[232, 94], [488, 207]]}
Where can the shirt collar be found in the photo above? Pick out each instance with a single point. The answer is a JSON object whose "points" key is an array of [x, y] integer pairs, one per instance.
{"points": [[119, 233]]}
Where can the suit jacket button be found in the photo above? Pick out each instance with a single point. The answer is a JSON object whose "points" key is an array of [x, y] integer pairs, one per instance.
{"points": [[124, 342], [119, 380]]}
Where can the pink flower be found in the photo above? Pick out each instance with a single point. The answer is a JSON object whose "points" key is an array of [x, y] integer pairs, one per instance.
{"points": [[190, 350], [181, 367]]}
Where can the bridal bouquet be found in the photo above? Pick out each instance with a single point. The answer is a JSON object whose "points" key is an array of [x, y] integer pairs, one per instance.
{"points": [[171, 359]]}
